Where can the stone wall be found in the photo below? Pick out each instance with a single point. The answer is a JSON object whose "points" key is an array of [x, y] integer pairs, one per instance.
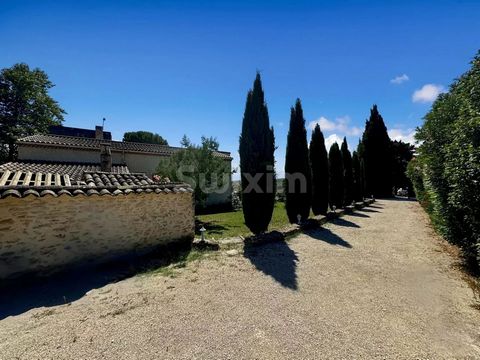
{"points": [[39, 233]]}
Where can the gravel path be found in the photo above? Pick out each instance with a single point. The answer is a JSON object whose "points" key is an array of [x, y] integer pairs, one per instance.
{"points": [[377, 284]]}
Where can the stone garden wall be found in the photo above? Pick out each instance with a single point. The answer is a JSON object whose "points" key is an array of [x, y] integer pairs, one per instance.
{"points": [[40, 233]]}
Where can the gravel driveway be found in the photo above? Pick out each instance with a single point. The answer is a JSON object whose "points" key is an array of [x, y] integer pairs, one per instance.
{"points": [[374, 285]]}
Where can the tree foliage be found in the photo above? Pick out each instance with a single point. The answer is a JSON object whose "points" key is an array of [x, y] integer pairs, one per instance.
{"points": [[26, 108], [144, 137], [348, 189], [335, 169], [297, 167], [377, 156], [257, 147], [357, 177], [197, 166], [319, 165], [446, 172]]}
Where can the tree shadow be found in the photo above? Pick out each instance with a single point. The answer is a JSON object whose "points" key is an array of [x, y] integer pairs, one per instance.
{"points": [[368, 210], [344, 222], [327, 236], [210, 226], [275, 259], [358, 214], [29, 292]]}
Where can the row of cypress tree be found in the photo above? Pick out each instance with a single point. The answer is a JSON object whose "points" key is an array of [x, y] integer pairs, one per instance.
{"points": [[314, 179]]}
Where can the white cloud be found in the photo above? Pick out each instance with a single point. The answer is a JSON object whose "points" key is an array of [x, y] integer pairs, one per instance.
{"points": [[407, 136], [428, 93], [397, 80], [334, 138], [340, 125]]}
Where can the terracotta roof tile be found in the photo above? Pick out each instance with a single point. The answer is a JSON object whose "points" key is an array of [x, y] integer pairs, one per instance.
{"points": [[90, 143]]}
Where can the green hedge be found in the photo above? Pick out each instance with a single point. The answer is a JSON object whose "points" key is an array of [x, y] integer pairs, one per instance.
{"points": [[446, 172]]}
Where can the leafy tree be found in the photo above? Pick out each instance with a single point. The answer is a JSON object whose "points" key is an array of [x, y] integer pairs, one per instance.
{"points": [[335, 164], [144, 137], [297, 167], [319, 166], [257, 147], [198, 166], [402, 153], [357, 177], [26, 108], [348, 190], [377, 156]]}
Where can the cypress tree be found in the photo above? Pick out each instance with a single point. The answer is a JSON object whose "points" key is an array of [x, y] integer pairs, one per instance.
{"points": [[297, 167], [377, 156], [319, 167], [257, 146], [335, 165], [357, 177], [347, 174]]}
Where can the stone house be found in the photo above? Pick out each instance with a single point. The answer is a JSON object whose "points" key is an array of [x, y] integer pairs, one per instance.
{"points": [[66, 145], [86, 198]]}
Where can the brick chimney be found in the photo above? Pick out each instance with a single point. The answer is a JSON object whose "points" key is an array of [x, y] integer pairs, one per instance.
{"points": [[99, 132], [105, 157]]}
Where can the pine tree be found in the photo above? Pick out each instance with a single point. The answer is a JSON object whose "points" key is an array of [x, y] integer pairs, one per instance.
{"points": [[335, 165], [357, 177], [377, 156], [319, 167], [347, 174], [257, 146], [297, 167]]}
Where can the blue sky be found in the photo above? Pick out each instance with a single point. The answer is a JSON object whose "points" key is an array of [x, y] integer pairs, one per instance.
{"points": [[182, 67]]}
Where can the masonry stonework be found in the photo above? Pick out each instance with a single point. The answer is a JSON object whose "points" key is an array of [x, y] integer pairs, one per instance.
{"points": [[41, 233]]}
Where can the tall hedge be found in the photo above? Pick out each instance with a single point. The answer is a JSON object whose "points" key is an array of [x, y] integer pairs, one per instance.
{"points": [[377, 156], [297, 167], [446, 171], [347, 173], [335, 168], [257, 146], [319, 166]]}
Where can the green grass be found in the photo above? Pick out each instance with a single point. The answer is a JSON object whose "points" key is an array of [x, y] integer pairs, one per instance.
{"points": [[172, 263], [230, 224]]}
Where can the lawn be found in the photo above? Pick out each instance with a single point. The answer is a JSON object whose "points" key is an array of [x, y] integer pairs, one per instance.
{"points": [[230, 224]]}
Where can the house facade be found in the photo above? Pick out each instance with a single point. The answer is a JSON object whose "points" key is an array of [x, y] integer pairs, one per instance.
{"points": [[64, 145]]}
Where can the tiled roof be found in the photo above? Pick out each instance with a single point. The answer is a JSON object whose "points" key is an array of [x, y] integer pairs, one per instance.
{"points": [[73, 170], [103, 179], [89, 143], [38, 179]]}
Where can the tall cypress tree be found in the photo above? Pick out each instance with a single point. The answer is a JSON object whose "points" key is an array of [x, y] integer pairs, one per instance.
{"points": [[335, 164], [357, 177], [297, 167], [377, 156], [319, 166], [347, 174], [257, 146]]}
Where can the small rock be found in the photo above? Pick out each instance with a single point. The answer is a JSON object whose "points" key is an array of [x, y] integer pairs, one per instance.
{"points": [[232, 252]]}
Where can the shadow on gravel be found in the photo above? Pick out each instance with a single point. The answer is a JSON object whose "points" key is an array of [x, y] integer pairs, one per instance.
{"points": [[275, 259], [359, 214], [344, 222], [327, 236], [368, 210], [30, 292]]}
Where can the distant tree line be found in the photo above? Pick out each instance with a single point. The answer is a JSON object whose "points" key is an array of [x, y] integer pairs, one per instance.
{"points": [[315, 180], [144, 137], [446, 172]]}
